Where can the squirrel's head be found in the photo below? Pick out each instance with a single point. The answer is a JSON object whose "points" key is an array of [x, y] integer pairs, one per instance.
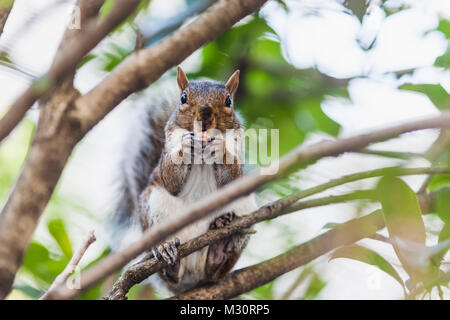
{"points": [[206, 104]]}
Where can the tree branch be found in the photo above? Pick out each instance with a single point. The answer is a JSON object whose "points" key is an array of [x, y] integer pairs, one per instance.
{"points": [[146, 267], [246, 279], [4, 14], [252, 277], [298, 157], [49, 152], [66, 62], [156, 30], [71, 266]]}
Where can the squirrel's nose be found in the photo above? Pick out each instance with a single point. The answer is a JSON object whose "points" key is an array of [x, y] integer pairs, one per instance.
{"points": [[205, 112]]}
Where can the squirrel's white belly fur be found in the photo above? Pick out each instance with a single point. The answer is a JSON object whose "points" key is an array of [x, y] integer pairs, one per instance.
{"points": [[164, 206]]}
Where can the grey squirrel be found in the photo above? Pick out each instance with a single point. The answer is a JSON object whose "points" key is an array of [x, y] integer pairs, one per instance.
{"points": [[162, 176]]}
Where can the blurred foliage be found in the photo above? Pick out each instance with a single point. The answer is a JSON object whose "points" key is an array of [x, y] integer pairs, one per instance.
{"points": [[359, 253], [109, 5], [443, 61], [6, 3], [12, 156], [272, 94], [401, 209], [439, 181], [309, 278], [42, 262], [404, 222], [443, 205], [403, 219], [265, 292], [291, 103], [435, 92], [358, 7], [444, 27], [315, 286]]}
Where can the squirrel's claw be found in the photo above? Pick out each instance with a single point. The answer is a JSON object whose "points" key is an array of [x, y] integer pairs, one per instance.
{"points": [[167, 251]]}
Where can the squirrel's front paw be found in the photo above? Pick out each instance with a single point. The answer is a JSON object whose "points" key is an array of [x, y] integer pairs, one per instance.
{"points": [[214, 151], [187, 142], [167, 251], [190, 145], [222, 221]]}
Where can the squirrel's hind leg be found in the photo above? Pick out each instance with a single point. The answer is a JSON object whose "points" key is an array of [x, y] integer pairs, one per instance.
{"points": [[223, 254], [168, 252]]}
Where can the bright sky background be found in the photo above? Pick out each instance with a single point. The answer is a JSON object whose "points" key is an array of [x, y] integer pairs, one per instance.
{"points": [[328, 42]]}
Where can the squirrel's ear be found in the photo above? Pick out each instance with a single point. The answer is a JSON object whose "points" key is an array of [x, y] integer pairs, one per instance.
{"points": [[233, 83], [182, 79]]}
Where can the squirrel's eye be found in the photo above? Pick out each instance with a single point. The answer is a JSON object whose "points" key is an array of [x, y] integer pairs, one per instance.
{"points": [[184, 98], [228, 102]]}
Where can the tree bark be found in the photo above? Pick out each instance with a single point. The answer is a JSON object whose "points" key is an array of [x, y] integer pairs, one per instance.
{"points": [[55, 137]]}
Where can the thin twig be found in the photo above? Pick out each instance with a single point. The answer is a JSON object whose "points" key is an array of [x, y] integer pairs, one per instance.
{"points": [[73, 263], [391, 154]]}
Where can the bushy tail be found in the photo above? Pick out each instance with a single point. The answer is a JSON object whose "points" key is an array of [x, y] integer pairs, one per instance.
{"points": [[144, 143]]}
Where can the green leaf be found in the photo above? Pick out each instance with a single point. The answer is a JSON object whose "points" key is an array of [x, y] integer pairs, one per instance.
{"points": [[444, 27], [106, 8], [440, 250], [283, 4], [114, 55], [6, 3], [401, 210], [315, 286], [29, 291], [439, 181], [362, 254], [443, 205], [38, 262], [85, 60], [403, 219], [443, 61], [58, 231], [445, 232], [435, 92], [264, 292], [321, 121], [331, 225], [13, 152]]}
